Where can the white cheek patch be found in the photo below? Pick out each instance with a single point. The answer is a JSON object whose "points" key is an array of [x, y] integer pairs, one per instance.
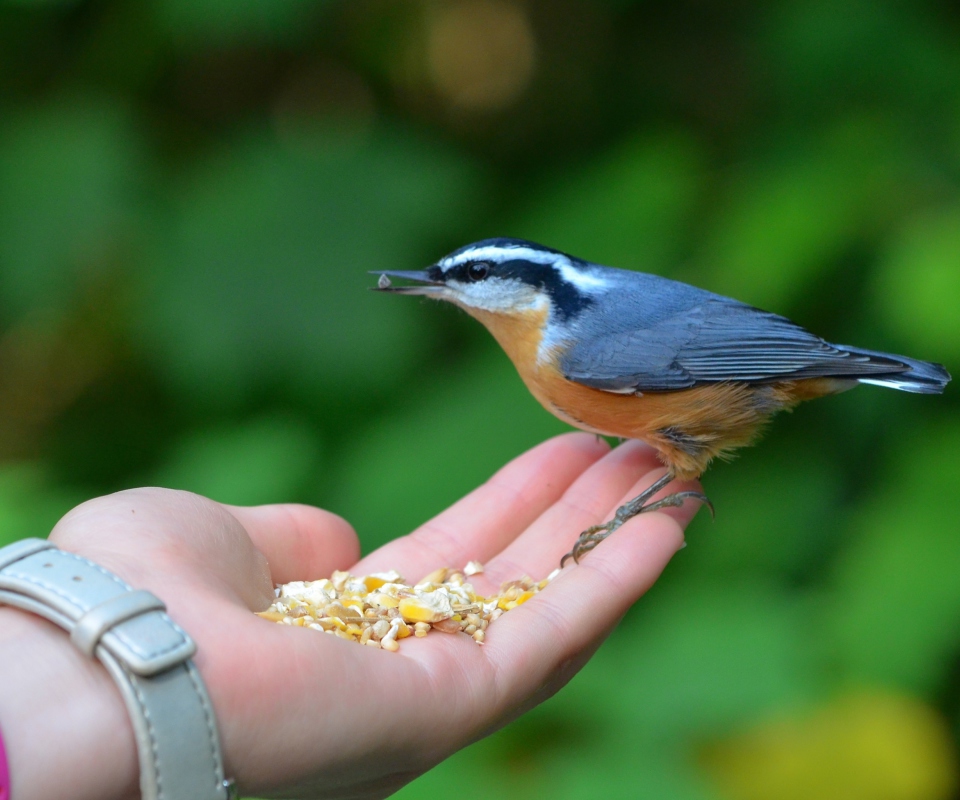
{"points": [[496, 294]]}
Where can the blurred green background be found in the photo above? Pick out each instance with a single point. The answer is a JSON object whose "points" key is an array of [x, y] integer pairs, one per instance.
{"points": [[192, 192]]}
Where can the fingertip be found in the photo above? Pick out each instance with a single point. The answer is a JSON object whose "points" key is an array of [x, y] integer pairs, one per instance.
{"points": [[631, 560], [658, 534], [574, 447], [583, 442]]}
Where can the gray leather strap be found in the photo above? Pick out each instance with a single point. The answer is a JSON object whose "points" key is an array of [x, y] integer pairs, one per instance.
{"points": [[146, 653]]}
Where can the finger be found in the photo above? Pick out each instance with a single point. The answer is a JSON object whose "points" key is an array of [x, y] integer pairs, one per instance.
{"points": [[621, 475], [482, 523], [540, 556], [300, 542], [576, 611]]}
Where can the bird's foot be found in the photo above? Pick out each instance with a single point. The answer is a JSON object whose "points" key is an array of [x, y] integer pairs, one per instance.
{"points": [[640, 504]]}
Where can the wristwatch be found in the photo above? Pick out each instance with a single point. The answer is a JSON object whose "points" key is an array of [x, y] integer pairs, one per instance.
{"points": [[146, 653]]}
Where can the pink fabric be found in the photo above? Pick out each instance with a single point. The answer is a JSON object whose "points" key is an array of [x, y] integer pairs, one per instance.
{"points": [[4, 772]]}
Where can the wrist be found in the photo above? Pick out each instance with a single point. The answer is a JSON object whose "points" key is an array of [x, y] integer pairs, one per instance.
{"points": [[65, 727]]}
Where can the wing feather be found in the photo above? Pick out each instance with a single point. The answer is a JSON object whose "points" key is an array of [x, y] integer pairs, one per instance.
{"points": [[715, 340]]}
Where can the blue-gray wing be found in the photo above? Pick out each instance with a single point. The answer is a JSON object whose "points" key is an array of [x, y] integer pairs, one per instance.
{"points": [[711, 339]]}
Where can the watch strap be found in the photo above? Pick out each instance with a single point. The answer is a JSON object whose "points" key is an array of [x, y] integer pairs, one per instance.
{"points": [[146, 653]]}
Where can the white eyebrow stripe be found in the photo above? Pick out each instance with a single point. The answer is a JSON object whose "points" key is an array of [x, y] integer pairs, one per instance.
{"points": [[579, 278], [501, 254]]}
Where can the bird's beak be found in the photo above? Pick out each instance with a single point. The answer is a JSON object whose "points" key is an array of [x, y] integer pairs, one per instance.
{"points": [[422, 283]]}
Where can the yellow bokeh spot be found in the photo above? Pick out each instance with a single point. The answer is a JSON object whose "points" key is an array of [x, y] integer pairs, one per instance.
{"points": [[863, 746]]}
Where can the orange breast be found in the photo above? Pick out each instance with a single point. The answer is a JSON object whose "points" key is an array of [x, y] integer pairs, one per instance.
{"points": [[689, 428]]}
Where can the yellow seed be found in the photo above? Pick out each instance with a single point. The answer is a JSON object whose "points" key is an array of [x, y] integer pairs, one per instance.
{"points": [[437, 576], [471, 629], [479, 636], [524, 597], [390, 644], [421, 629], [372, 642], [339, 611], [354, 630], [383, 600], [403, 630], [412, 609], [367, 633], [273, 616]]}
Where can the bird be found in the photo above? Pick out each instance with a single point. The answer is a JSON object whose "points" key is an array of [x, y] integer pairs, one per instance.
{"points": [[633, 355]]}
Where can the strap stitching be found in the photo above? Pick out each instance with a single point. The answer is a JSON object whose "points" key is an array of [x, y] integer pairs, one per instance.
{"points": [[131, 644], [135, 682], [209, 719]]}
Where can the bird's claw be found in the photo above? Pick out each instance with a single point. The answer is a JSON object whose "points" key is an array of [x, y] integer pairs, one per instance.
{"points": [[595, 534]]}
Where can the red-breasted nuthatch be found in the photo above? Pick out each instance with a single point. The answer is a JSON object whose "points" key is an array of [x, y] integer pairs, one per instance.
{"points": [[637, 356]]}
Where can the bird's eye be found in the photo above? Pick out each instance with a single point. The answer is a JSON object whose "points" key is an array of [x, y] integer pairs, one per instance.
{"points": [[478, 270]]}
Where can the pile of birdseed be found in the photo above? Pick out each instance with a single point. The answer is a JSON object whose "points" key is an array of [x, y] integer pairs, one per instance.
{"points": [[380, 609]]}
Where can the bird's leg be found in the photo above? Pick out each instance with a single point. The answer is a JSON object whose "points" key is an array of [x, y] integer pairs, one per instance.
{"points": [[595, 534]]}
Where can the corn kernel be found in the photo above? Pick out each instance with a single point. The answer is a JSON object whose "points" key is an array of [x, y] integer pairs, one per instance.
{"points": [[437, 577], [415, 609]]}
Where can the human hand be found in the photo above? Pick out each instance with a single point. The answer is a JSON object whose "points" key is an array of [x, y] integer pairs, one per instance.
{"points": [[303, 714]]}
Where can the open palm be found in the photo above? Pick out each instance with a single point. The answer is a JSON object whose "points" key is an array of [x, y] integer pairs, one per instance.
{"points": [[303, 714]]}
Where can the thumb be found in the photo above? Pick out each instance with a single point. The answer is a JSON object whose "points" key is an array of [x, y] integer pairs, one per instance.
{"points": [[300, 542]]}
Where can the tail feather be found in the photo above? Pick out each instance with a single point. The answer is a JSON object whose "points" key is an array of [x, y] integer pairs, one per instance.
{"points": [[920, 377]]}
